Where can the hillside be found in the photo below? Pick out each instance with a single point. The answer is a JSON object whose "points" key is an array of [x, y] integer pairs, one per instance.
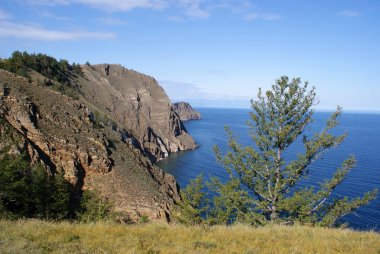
{"points": [[136, 102], [133, 101], [66, 136], [42, 237]]}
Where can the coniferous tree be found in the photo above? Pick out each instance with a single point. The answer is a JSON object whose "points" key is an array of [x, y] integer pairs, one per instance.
{"points": [[278, 119], [194, 203], [262, 185]]}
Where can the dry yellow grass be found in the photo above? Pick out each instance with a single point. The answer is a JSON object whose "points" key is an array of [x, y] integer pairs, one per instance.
{"points": [[32, 236]]}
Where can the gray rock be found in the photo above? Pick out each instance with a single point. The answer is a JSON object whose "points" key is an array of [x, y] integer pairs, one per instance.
{"points": [[136, 102], [185, 111]]}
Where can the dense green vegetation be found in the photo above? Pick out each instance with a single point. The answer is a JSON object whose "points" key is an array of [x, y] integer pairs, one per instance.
{"points": [[29, 192], [32, 191], [262, 185], [57, 74], [60, 71]]}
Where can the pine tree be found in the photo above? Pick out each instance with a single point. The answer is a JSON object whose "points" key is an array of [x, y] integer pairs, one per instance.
{"points": [[262, 182], [194, 203], [278, 119]]}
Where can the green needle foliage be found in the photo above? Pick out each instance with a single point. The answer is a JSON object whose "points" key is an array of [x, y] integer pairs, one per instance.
{"points": [[61, 71], [262, 185], [28, 192], [94, 207], [193, 205]]}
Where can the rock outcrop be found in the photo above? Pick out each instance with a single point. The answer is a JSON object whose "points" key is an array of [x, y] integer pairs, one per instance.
{"points": [[137, 103], [185, 111], [60, 132]]}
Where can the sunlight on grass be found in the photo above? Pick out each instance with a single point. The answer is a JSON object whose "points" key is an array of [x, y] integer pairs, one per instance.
{"points": [[32, 236]]}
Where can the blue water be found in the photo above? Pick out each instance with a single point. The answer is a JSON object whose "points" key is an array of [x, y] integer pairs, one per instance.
{"points": [[363, 141]]}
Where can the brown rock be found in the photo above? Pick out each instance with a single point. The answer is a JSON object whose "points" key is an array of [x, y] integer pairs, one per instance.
{"points": [[57, 131], [137, 103]]}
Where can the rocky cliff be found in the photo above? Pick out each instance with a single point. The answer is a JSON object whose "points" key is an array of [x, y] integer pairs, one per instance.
{"points": [[62, 134], [137, 103], [185, 111]]}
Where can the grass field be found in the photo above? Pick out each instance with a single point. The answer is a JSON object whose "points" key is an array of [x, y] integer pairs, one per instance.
{"points": [[33, 236]]}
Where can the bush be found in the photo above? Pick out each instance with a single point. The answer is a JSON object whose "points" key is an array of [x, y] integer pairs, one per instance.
{"points": [[94, 207]]}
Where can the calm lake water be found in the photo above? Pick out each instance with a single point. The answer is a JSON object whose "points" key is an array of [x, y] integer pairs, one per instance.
{"points": [[363, 141]]}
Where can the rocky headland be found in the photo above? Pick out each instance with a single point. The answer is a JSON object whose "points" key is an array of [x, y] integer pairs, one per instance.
{"points": [[185, 111], [137, 103], [104, 135]]}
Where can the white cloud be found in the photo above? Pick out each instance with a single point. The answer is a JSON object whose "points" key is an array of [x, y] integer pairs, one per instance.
{"points": [[262, 16], [45, 2], [194, 8], [123, 5], [349, 13], [180, 91], [23, 31], [199, 9], [108, 5], [34, 32]]}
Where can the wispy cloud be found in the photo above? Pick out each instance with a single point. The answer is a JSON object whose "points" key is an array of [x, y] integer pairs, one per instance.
{"points": [[8, 28], [49, 14], [262, 16], [45, 2], [123, 5], [112, 21], [4, 15], [193, 9], [180, 91], [349, 13], [107, 5], [24, 31]]}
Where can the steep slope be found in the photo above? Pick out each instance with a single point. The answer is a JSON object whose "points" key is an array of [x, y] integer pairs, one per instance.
{"points": [[136, 102], [185, 111], [60, 132]]}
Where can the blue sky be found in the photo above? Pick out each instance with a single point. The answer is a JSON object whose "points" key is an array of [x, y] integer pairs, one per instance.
{"points": [[212, 53]]}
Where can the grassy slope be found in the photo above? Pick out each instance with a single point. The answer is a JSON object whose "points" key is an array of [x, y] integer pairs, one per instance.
{"points": [[33, 236]]}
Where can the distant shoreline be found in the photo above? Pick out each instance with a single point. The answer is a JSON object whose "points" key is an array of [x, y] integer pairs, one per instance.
{"points": [[351, 111]]}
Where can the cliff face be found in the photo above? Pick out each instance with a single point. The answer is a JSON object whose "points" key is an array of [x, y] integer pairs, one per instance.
{"points": [[185, 111], [60, 132], [136, 102]]}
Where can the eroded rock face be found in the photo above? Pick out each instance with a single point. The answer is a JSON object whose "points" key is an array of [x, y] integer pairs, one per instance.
{"points": [[185, 111], [60, 133], [136, 102]]}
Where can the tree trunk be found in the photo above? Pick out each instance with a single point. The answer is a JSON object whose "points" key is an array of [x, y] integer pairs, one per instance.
{"points": [[273, 214]]}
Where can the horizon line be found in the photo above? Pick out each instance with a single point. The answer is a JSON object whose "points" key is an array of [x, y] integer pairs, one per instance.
{"points": [[349, 110]]}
